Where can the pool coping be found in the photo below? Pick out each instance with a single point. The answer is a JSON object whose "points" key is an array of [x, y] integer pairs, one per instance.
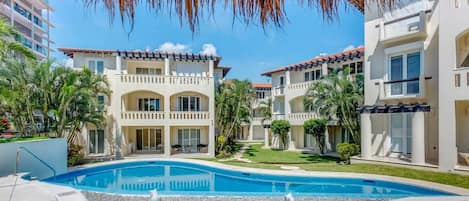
{"points": [[420, 183]]}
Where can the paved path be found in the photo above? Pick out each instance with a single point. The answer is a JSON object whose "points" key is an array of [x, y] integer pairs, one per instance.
{"points": [[239, 155]]}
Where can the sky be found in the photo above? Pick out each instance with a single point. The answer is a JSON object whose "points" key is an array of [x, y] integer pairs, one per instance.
{"points": [[248, 49]]}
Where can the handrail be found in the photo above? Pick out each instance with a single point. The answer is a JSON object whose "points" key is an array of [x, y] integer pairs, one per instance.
{"points": [[35, 156], [405, 80], [405, 17]]}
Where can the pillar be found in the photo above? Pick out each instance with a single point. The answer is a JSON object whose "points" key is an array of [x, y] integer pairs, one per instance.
{"points": [[211, 139], [324, 69], [290, 144], [118, 140], [266, 138], [119, 64], [365, 135], [251, 132], [327, 144], [211, 66], [418, 138], [167, 141], [166, 67], [211, 110]]}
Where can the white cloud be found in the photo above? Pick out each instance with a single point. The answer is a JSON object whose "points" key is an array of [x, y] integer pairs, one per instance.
{"points": [[349, 47], [209, 49], [174, 47]]}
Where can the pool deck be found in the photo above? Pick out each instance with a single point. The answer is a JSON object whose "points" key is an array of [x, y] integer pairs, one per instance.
{"points": [[32, 189]]}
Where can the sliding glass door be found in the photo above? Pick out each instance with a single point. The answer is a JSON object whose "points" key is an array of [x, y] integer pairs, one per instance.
{"points": [[188, 103], [96, 141], [149, 139], [189, 138]]}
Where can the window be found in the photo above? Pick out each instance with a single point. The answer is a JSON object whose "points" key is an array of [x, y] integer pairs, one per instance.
{"points": [[404, 67], [148, 71], [353, 70], [282, 81], [318, 74], [96, 66], [359, 67], [307, 76], [401, 133], [188, 103], [148, 104], [188, 137], [96, 141], [260, 94]]}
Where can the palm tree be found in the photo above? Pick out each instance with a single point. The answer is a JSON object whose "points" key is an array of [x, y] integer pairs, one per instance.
{"points": [[265, 13], [265, 108], [232, 108], [336, 96], [8, 43]]}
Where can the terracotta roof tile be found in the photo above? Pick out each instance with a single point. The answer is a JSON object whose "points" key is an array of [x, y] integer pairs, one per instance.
{"points": [[261, 85], [341, 56]]}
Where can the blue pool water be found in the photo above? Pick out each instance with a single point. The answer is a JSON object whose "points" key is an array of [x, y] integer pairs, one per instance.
{"points": [[176, 178]]}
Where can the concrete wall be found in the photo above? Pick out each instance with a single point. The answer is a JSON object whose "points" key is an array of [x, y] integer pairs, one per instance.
{"points": [[51, 151]]}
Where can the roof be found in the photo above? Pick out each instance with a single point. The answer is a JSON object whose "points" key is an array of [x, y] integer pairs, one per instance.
{"points": [[359, 4], [225, 69], [331, 58], [261, 85], [133, 54]]}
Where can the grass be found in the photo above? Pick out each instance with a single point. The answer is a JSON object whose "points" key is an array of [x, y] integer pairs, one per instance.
{"points": [[25, 138], [272, 159]]}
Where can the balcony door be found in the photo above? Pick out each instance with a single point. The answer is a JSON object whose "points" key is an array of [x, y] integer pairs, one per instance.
{"points": [[401, 133], [189, 138], [403, 68], [149, 139], [188, 103], [148, 104]]}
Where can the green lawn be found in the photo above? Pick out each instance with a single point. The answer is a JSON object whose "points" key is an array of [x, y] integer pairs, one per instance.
{"points": [[17, 139], [272, 159]]}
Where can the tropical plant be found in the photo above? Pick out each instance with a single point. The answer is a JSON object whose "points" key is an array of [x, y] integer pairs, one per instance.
{"points": [[265, 108], [9, 44], [232, 108], [265, 13], [317, 128], [336, 96], [4, 124], [346, 151], [280, 128]]}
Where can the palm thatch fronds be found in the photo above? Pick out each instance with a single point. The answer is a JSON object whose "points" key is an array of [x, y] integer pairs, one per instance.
{"points": [[264, 12]]}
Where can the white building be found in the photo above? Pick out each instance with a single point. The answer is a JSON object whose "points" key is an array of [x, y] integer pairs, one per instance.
{"points": [[417, 84], [161, 103], [32, 19], [254, 131], [290, 84]]}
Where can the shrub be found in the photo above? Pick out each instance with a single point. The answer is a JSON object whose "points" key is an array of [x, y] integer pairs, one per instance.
{"points": [[317, 128], [281, 129], [75, 157], [347, 150]]}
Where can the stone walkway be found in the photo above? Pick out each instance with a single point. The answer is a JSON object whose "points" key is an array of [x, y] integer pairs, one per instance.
{"points": [[239, 155]]}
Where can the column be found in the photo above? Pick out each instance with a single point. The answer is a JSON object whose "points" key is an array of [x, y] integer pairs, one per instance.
{"points": [[418, 138], [211, 65], [324, 69], [365, 135], [119, 64], [211, 139], [166, 67], [167, 141], [251, 132], [266, 138], [211, 110], [287, 77], [118, 140], [290, 144], [327, 144]]}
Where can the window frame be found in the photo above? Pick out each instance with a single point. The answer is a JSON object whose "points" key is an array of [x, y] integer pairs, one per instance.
{"points": [[96, 133], [95, 66]]}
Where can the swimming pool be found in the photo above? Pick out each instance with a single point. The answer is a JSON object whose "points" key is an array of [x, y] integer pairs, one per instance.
{"points": [[180, 178]]}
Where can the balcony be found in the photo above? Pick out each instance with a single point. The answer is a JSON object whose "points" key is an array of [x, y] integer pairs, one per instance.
{"points": [[163, 80], [402, 89], [301, 117], [183, 115], [301, 85], [404, 28], [278, 91], [142, 115]]}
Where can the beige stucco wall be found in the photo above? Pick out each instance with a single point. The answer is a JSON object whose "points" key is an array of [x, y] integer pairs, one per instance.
{"points": [[133, 65], [131, 99]]}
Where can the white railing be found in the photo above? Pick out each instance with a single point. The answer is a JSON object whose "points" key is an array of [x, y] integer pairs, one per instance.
{"points": [[142, 79], [302, 116], [279, 91], [142, 115], [461, 77], [301, 85], [160, 79], [189, 80], [278, 116], [188, 115], [407, 26]]}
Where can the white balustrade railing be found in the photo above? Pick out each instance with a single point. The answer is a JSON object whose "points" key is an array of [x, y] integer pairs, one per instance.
{"points": [[302, 116], [160, 79], [142, 115], [189, 80], [301, 85], [142, 79], [188, 115]]}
